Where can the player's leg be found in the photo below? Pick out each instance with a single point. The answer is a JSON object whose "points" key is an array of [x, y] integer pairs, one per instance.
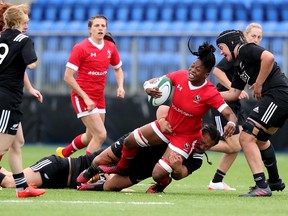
{"points": [[110, 156], [15, 160], [33, 177]]}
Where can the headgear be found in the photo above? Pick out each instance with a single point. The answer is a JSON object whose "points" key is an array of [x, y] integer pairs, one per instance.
{"points": [[231, 38]]}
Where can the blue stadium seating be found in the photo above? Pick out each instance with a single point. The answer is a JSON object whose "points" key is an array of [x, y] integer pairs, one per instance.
{"points": [[67, 43], [152, 12], [137, 12], [93, 10], [284, 11], [271, 12], [36, 12], [65, 13], [211, 11], [123, 12], [240, 12], [108, 11], [79, 12], [167, 12], [257, 11], [50, 12], [196, 12], [227, 12], [181, 12]]}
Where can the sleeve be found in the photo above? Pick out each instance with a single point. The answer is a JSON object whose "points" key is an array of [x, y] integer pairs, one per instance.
{"points": [[225, 65], [193, 162], [115, 58], [250, 53], [28, 52], [76, 57]]}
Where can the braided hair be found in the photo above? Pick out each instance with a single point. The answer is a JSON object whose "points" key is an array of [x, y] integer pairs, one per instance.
{"points": [[205, 54]]}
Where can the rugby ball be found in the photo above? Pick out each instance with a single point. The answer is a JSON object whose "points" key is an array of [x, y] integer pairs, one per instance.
{"points": [[165, 86]]}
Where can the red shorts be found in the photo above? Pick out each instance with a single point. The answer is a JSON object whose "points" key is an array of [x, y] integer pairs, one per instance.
{"points": [[81, 108], [182, 144]]}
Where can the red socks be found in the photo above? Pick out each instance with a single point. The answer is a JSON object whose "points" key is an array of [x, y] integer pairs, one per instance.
{"points": [[127, 155], [75, 145]]}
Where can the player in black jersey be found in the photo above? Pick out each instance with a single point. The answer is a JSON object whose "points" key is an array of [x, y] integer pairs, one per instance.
{"points": [[256, 67], [57, 172], [16, 54]]}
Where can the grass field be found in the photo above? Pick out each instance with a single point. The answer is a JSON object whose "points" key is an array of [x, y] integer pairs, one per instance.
{"points": [[186, 197]]}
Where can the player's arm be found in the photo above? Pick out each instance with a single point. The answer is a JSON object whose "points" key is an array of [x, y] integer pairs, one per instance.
{"points": [[119, 75], [32, 65], [222, 78], [32, 90], [71, 81]]}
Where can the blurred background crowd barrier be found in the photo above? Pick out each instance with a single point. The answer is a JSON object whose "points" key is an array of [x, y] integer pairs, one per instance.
{"points": [[151, 36]]}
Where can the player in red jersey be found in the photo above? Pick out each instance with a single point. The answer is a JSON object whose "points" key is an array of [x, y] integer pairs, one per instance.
{"points": [[193, 96], [91, 59]]}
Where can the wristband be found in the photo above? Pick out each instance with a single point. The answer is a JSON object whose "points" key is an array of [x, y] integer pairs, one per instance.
{"points": [[231, 122]]}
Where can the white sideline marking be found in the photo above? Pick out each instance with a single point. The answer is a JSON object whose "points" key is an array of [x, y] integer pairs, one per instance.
{"points": [[86, 202]]}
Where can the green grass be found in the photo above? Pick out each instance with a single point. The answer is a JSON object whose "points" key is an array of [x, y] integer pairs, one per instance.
{"points": [[186, 197]]}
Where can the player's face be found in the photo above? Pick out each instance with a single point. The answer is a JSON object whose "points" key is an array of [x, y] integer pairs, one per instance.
{"points": [[197, 73], [98, 28], [205, 143], [25, 24], [254, 36], [224, 50]]}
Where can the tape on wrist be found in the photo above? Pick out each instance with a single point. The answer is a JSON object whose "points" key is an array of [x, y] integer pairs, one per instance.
{"points": [[232, 123]]}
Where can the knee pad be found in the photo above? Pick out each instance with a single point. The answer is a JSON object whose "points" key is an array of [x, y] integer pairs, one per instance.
{"points": [[250, 128]]}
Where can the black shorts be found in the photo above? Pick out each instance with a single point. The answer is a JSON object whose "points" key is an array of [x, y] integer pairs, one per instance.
{"points": [[220, 122], [54, 171], [271, 111], [10, 114]]}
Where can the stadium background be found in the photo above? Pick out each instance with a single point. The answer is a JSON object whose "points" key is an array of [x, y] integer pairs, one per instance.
{"points": [[151, 36]]}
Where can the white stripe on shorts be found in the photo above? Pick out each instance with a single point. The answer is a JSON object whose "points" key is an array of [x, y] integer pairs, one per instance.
{"points": [[4, 120]]}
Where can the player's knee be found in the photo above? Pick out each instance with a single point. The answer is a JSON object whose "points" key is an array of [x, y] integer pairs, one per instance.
{"points": [[250, 128], [161, 170]]}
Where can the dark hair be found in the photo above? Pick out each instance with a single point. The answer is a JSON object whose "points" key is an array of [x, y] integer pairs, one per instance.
{"points": [[100, 16], [108, 36], [213, 132], [205, 54]]}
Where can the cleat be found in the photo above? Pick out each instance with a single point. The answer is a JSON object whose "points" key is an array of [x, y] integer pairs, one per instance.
{"points": [[30, 191], [258, 192], [83, 177], [220, 186], [157, 188], [92, 186], [278, 186], [59, 151], [112, 169]]}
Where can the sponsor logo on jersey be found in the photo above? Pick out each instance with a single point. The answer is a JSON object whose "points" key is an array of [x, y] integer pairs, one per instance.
{"points": [[109, 54], [256, 109], [97, 73], [179, 87], [181, 111], [93, 54], [14, 127]]}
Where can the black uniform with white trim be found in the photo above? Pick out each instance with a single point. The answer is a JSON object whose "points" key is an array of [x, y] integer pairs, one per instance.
{"points": [[272, 109], [16, 52], [54, 170], [228, 68]]}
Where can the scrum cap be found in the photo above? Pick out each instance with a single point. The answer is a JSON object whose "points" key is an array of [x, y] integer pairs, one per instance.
{"points": [[231, 38]]}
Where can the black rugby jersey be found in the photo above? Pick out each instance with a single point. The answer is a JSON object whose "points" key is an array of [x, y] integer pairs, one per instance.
{"points": [[248, 66], [16, 52]]}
